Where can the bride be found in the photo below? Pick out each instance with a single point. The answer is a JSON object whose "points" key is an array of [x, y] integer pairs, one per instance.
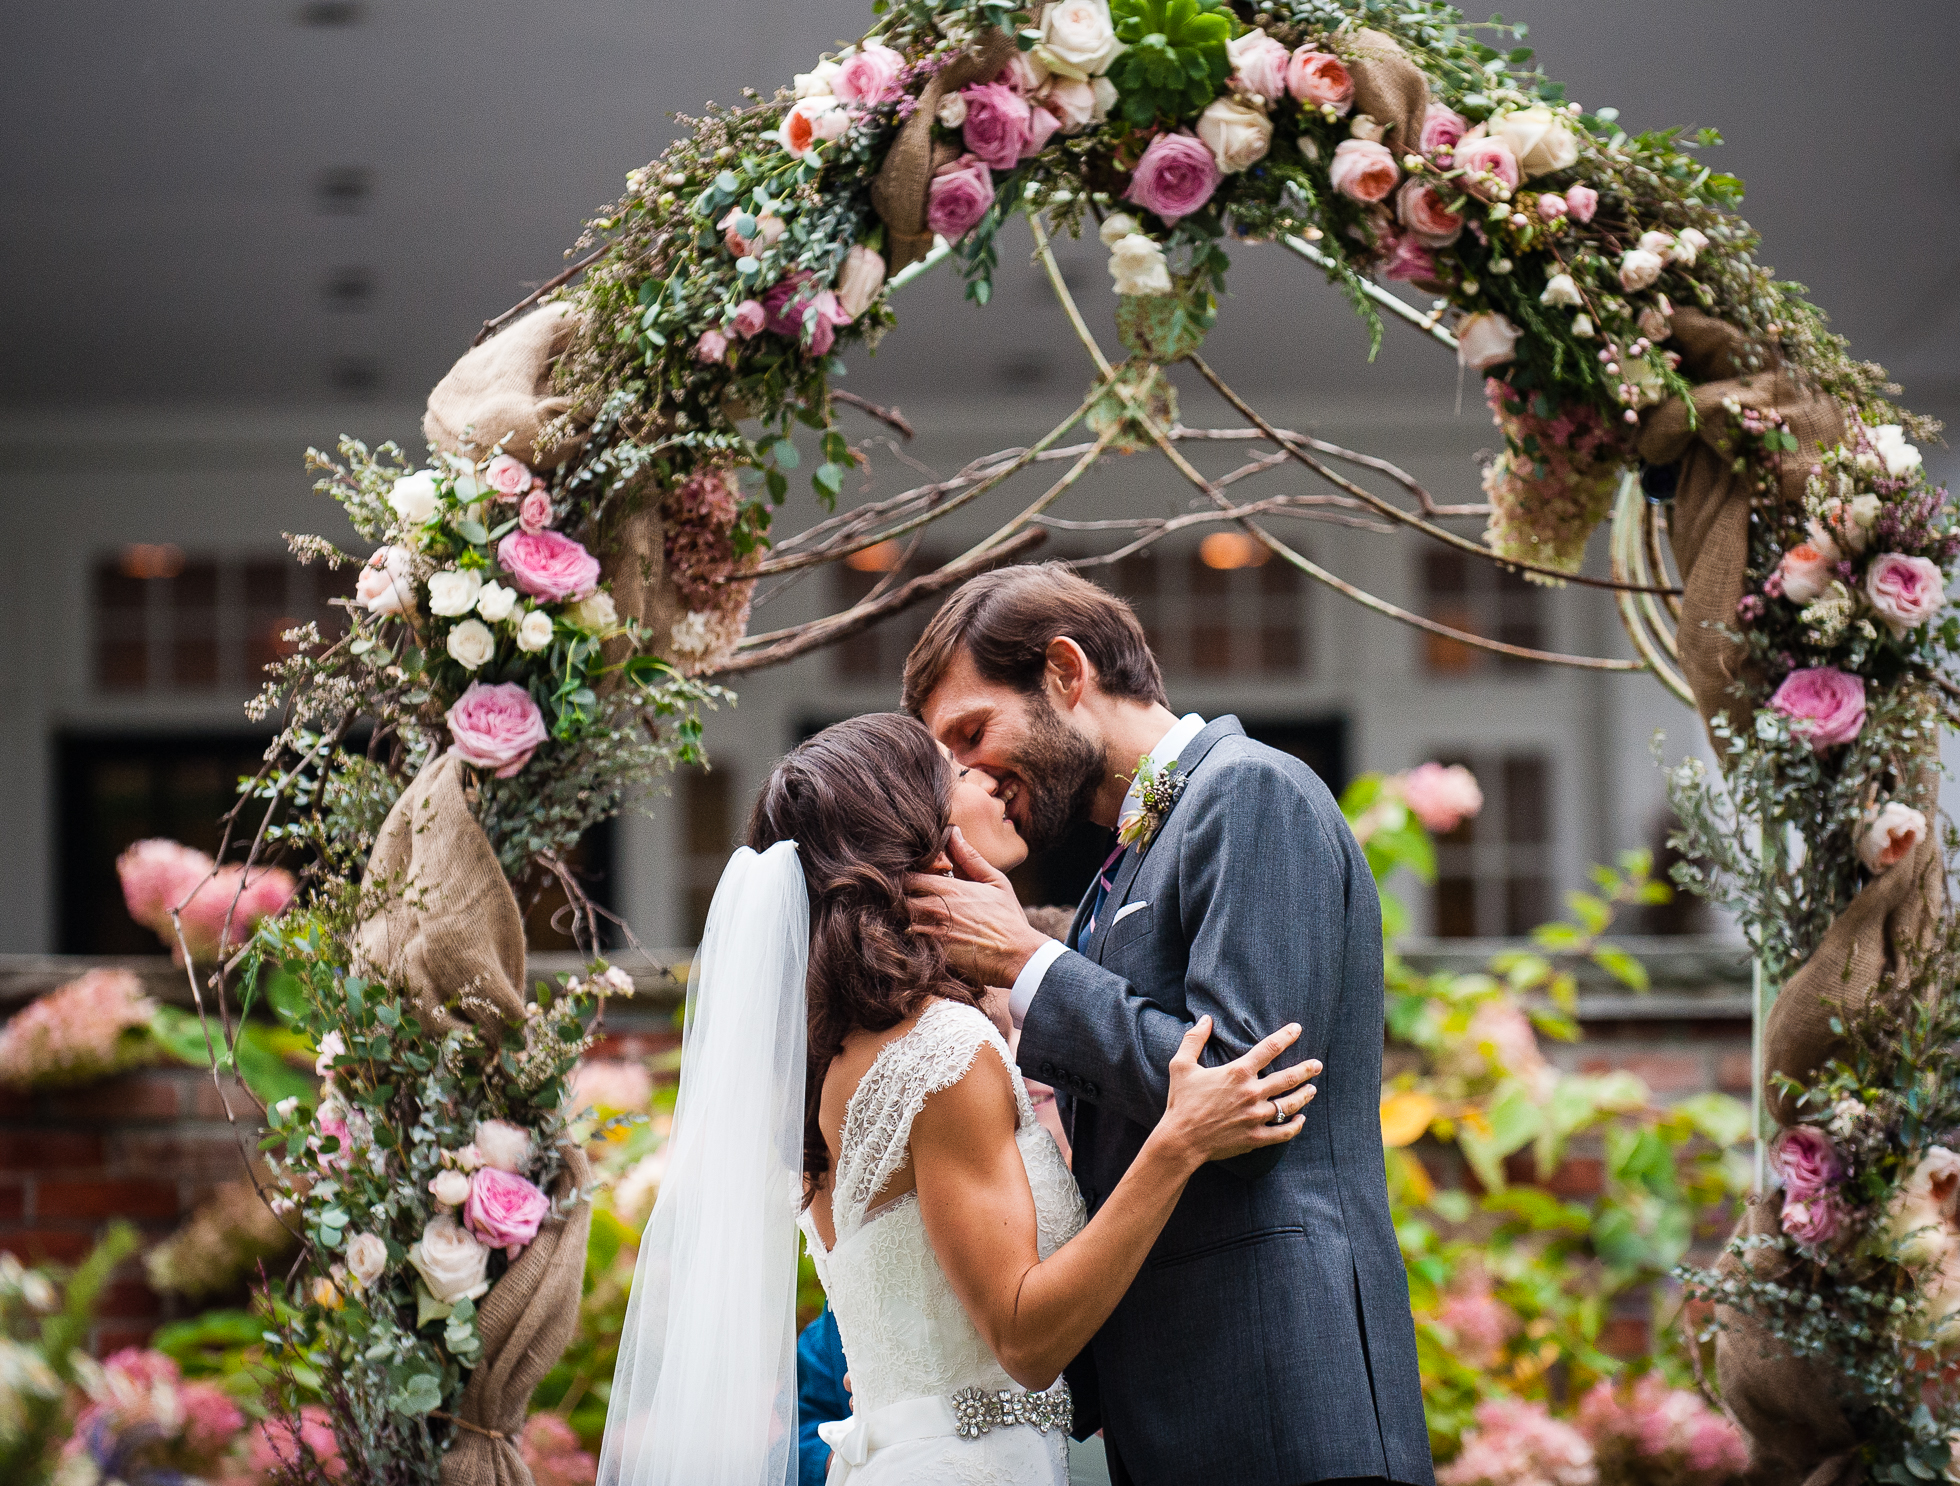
{"points": [[838, 1078]]}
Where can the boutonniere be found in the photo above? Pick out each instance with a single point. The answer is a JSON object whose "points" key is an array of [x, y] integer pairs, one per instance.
{"points": [[1157, 791]]}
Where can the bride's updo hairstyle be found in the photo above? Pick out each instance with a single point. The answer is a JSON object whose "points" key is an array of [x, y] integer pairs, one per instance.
{"points": [[866, 802]]}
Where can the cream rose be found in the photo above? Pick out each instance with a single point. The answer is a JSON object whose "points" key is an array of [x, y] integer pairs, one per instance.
{"points": [[1639, 268], [860, 279], [1541, 141], [1078, 38], [951, 112], [1138, 267], [534, 632], [453, 591], [503, 1145], [1893, 830], [816, 82], [594, 614], [1237, 134], [367, 1257], [451, 1262], [471, 644], [450, 1188], [1116, 227], [414, 497], [495, 602], [1560, 289], [1077, 103], [387, 583], [1485, 340], [1919, 1220], [1900, 458]]}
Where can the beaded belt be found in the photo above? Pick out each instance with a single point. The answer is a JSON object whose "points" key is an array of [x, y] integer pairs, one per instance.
{"points": [[967, 1414]]}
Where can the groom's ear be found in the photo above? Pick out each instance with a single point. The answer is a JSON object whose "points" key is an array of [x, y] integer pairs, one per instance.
{"points": [[1069, 672]]}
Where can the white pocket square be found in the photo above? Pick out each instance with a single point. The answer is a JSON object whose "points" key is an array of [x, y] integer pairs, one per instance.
{"points": [[1125, 911]]}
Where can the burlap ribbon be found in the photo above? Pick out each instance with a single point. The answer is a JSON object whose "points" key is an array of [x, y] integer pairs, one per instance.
{"points": [[1798, 1435], [1388, 87], [525, 1323], [500, 391], [903, 188], [446, 926]]}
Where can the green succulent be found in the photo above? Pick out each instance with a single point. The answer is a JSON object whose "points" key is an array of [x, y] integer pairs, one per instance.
{"points": [[1174, 62]]}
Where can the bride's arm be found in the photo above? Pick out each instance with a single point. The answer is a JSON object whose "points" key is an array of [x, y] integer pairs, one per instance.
{"points": [[979, 1212]]}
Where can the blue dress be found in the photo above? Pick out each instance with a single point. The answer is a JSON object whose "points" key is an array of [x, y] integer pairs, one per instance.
{"points": [[820, 1394]]}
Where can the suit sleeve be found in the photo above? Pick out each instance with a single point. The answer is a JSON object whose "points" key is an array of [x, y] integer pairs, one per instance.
{"points": [[1263, 883]]}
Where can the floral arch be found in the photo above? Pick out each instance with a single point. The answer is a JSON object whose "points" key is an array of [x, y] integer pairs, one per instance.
{"points": [[571, 575]]}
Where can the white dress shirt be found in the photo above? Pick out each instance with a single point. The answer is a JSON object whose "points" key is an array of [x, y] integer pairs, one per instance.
{"points": [[1161, 757]]}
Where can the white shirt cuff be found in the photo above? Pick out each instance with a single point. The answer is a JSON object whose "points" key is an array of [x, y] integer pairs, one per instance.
{"points": [[1029, 980]]}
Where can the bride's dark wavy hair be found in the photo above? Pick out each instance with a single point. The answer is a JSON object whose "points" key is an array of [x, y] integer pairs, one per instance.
{"points": [[866, 802]]}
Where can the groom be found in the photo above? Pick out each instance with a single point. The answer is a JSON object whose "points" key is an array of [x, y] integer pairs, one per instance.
{"points": [[1267, 1341]]}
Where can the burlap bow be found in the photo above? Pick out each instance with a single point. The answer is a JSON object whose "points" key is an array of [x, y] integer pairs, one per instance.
{"points": [[500, 391]]}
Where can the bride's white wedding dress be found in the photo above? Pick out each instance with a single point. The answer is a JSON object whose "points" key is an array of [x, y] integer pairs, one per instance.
{"points": [[930, 1402]]}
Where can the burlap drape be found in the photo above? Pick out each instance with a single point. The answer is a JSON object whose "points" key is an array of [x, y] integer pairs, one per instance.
{"points": [[1388, 87], [525, 1323], [902, 189], [448, 927], [500, 392], [1798, 1435]]}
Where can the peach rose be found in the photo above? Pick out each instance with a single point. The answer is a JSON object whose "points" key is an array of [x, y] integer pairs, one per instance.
{"points": [[1421, 209], [1320, 79], [1893, 830], [1806, 571], [1363, 170]]}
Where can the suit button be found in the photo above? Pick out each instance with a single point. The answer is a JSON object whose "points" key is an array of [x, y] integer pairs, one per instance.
{"points": [[1047, 1072]]}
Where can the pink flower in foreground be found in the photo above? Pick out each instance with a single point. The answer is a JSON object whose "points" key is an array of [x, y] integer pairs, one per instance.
{"points": [[1651, 1419], [1807, 1160], [1581, 202], [551, 1450], [1175, 177], [274, 1446], [960, 193], [997, 124], [1363, 170], [1320, 78], [712, 346], [508, 476], [504, 1209], [1516, 1442], [1441, 128], [75, 1033], [1442, 796], [496, 727], [1826, 706], [750, 318], [534, 512], [548, 565], [1906, 591], [869, 75]]}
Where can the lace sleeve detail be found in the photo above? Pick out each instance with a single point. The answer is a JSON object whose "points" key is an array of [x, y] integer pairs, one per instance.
{"points": [[936, 1054]]}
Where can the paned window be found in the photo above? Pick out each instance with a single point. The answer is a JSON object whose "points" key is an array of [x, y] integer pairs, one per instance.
{"points": [[1493, 871], [1470, 594]]}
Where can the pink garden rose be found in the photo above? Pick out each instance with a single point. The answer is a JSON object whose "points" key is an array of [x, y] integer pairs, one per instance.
{"points": [[869, 75], [789, 303], [1551, 206], [1807, 570], [1826, 705], [1581, 202], [1317, 78], [1442, 796], [496, 727], [1409, 261], [959, 196], [1812, 1221], [1486, 162], [712, 346], [1422, 210], [997, 126], [1807, 1160], [534, 511], [548, 565], [1259, 65], [1175, 177], [507, 476], [1363, 170], [750, 318], [1042, 124], [1906, 591], [1441, 129], [504, 1210]]}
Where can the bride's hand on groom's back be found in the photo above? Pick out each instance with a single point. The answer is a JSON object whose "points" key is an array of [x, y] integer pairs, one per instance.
{"points": [[1213, 1113], [975, 916]]}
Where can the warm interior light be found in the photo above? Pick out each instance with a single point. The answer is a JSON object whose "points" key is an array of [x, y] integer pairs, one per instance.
{"points": [[1226, 550], [152, 560], [882, 558]]}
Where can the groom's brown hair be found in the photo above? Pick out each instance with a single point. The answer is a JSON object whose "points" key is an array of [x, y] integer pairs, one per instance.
{"points": [[1006, 619]]}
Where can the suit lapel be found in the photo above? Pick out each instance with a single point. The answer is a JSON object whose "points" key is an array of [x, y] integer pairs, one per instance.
{"points": [[1081, 915], [1119, 892]]}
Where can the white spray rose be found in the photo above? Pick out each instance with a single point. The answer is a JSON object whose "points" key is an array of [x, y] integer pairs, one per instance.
{"points": [[534, 634], [414, 497], [952, 110], [387, 583], [1560, 289], [1639, 268], [1582, 327], [450, 1260], [816, 82], [1541, 140], [453, 591], [495, 602], [1115, 228], [1078, 39], [471, 644], [332, 1046], [1688, 244], [367, 1257], [1237, 134], [594, 613], [450, 1188], [504, 1145], [1485, 340], [1899, 457], [1138, 267]]}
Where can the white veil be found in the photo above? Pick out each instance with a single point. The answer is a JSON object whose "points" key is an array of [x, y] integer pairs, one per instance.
{"points": [[705, 1391]]}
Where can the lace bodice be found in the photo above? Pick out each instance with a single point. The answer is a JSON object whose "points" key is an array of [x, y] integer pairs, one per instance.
{"points": [[905, 1333]]}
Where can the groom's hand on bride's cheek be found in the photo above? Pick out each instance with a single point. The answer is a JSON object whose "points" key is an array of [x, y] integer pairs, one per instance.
{"points": [[975, 915]]}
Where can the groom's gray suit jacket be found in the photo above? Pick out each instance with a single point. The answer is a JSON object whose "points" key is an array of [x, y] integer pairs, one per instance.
{"points": [[1267, 1340]]}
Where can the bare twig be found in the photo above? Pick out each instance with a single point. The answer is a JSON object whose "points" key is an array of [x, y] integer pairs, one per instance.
{"points": [[890, 416], [563, 276]]}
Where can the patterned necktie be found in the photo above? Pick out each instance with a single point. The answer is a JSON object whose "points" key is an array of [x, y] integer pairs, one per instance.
{"points": [[1103, 886]]}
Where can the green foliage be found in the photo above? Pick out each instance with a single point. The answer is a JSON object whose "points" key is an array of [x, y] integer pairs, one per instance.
{"points": [[257, 1053], [1174, 62]]}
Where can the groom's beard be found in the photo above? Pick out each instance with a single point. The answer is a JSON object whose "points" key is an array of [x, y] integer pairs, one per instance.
{"points": [[1061, 771]]}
